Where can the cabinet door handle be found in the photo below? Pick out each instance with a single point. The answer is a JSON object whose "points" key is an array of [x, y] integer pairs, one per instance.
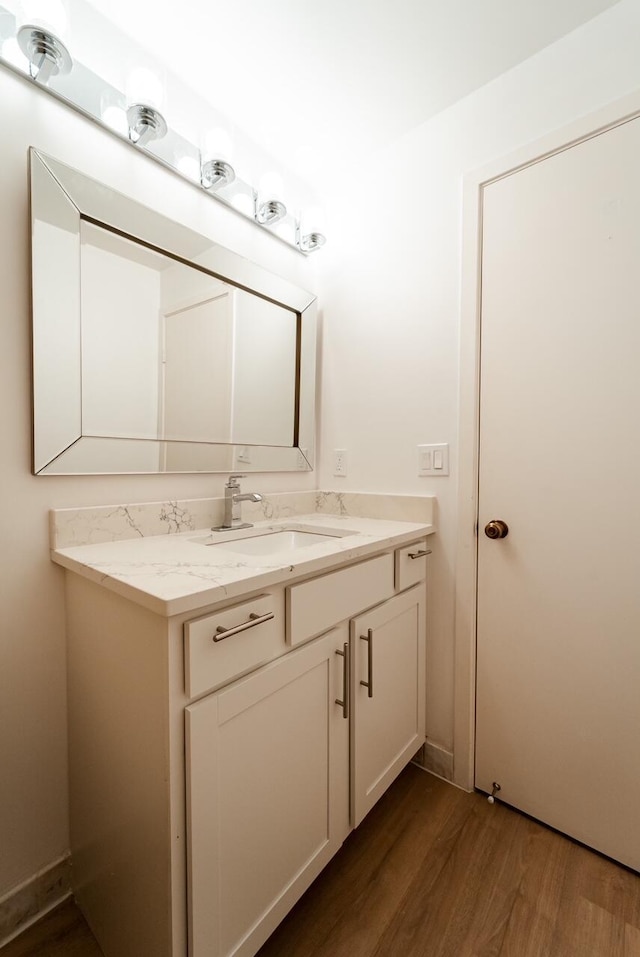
{"points": [[420, 554], [222, 632], [344, 704], [368, 684]]}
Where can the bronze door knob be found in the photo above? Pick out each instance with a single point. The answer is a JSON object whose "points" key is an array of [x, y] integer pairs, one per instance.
{"points": [[496, 529]]}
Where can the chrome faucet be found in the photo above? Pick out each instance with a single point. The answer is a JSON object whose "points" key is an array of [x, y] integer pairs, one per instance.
{"points": [[232, 507]]}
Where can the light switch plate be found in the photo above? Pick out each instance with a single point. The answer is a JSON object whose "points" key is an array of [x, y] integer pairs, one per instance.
{"points": [[433, 459]]}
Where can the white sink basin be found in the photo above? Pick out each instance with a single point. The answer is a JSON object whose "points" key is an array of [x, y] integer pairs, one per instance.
{"points": [[269, 541], [275, 542]]}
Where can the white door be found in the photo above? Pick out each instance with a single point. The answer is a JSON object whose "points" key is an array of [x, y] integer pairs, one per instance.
{"points": [[198, 371], [558, 656]]}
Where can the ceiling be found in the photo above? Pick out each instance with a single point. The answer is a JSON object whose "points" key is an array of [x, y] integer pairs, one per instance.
{"points": [[316, 82]]}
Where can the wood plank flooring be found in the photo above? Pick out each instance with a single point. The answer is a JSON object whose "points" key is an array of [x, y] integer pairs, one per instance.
{"points": [[435, 872], [63, 932]]}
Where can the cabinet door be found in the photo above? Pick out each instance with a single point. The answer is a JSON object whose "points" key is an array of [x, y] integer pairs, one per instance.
{"points": [[388, 694], [267, 795]]}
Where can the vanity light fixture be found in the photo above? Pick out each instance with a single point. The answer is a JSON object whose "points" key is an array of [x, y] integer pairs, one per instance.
{"points": [[216, 159], [144, 119], [310, 229], [145, 124], [47, 55], [270, 212], [115, 117], [30, 46], [244, 199], [217, 173], [189, 167], [310, 242], [270, 208]]}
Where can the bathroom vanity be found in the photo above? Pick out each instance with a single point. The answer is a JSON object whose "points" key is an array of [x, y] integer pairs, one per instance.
{"points": [[236, 707], [237, 701]]}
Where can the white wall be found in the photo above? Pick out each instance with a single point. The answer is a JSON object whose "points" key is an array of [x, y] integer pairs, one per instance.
{"points": [[33, 789], [391, 289], [390, 297]]}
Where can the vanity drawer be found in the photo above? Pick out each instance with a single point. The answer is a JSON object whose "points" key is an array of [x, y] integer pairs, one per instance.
{"points": [[411, 564], [226, 644], [317, 605]]}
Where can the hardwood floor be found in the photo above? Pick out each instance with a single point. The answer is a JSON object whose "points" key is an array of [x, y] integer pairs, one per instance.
{"points": [[435, 872], [63, 932]]}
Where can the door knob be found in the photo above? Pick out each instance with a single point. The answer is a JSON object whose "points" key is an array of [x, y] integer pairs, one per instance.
{"points": [[496, 529]]}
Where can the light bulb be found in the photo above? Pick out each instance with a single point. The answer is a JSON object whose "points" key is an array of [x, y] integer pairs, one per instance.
{"points": [[309, 242], [311, 229], [285, 230], [217, 145], [189, 167], [314, 219], [270, 187], [116, 119], [243, 202], [12, 53], [41, 37], [145, 87], [270, 207], [49, 15], [145, 95]]}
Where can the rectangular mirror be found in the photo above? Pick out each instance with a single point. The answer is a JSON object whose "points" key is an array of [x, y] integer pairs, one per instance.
{"points": [[156, 350]]}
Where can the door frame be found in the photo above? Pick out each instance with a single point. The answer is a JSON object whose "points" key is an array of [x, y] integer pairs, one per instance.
{"points": [[614, 114]]}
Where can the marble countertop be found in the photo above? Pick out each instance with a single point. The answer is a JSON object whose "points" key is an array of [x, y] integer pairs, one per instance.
{"points": [[177, 573]]}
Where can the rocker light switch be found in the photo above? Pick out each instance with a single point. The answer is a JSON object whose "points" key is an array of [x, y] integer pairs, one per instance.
{"points": [[433, 459]]}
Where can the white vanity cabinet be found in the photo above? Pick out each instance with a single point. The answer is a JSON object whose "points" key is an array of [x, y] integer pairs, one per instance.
{"points": [[267, 794], [219, 758], [282, 763], [388, 700]]}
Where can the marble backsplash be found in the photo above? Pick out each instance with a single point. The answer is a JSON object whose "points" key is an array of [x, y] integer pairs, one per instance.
{"points": [[111, 523]]}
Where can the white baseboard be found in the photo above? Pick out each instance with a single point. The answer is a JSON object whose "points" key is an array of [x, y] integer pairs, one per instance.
{"points": [[436, 759], [29, 901]]}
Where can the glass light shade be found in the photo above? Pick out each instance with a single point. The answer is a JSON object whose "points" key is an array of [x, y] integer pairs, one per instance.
{"points": [[313, 219], [243, 202], [14, 55], [270, 187], [217, 144], [190, 167], [49, 15], [145, 87], [116, 119], [285, 230]]}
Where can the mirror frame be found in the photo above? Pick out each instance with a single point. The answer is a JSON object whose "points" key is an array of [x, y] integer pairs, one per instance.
{"points": [[79, 197]]}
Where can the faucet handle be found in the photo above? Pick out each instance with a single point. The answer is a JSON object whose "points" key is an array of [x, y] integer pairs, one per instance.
{"points": [[233, 481]]}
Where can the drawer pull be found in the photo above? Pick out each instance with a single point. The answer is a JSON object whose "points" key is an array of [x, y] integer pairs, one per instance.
{"points": [[368, 684], [420, 554], [222, 632], [344, 704]]}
